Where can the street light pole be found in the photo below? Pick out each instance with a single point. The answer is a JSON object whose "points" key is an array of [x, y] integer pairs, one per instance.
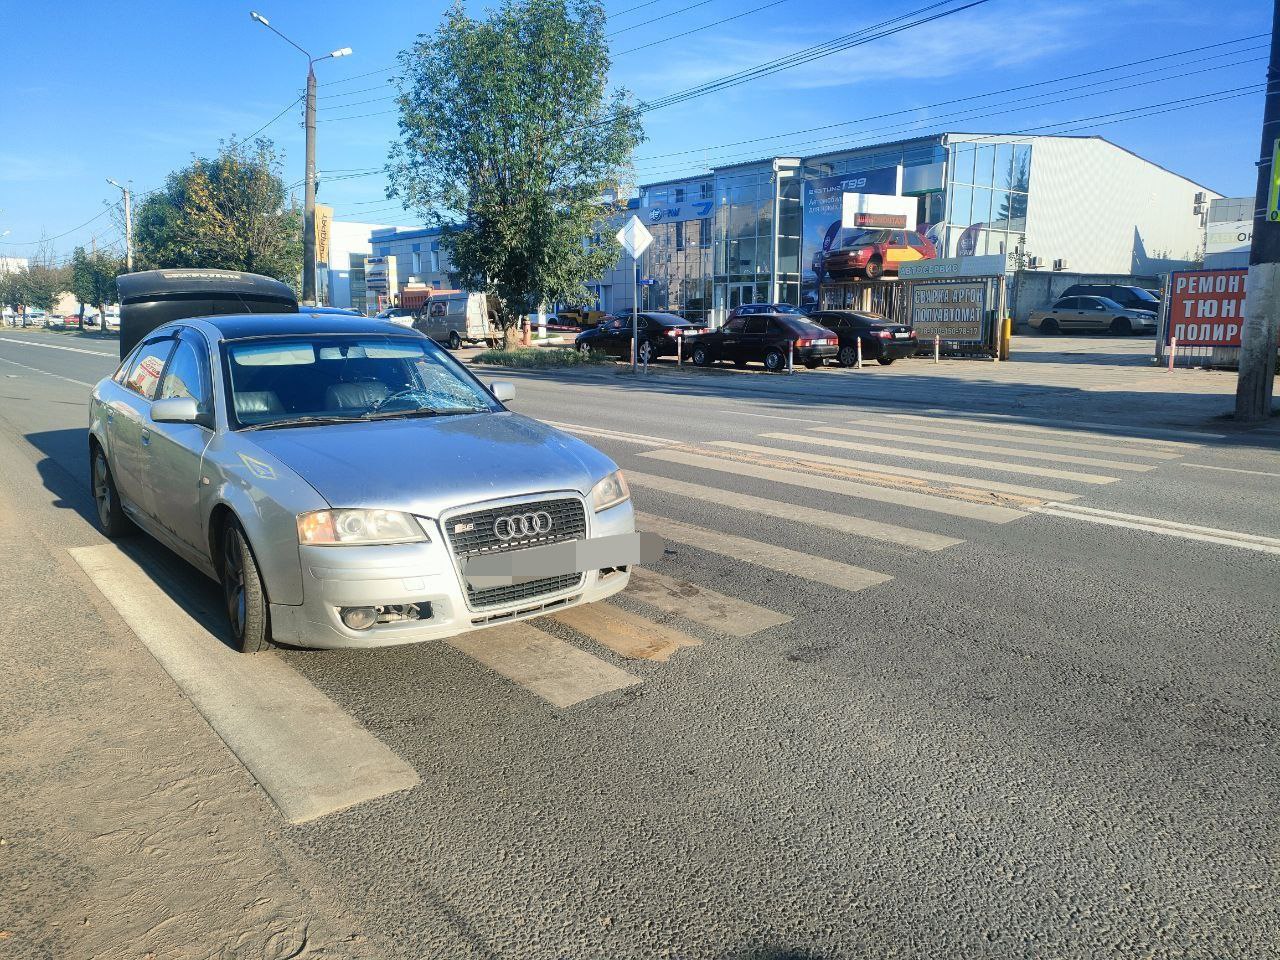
{"points": [[128, 223], [309, 198]]}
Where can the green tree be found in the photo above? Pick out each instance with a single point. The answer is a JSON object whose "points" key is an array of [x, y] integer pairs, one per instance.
{"points": [[228, 212], [13, 290], [510, 142], [93, 279], [43, 282]]}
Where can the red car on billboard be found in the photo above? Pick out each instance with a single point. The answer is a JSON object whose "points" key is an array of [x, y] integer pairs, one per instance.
{"points": [[873, 252]]}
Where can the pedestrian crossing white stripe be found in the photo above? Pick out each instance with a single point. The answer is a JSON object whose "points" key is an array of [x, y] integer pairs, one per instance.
{"points": [[625, 633], [1080, 428], [843, 576], [310, 756], [998, 466], [993, 433], [985, 448], [637, 438], [556, 671], [1206, 466], [997, 486], [1169, 528], [849, 488], [843, 523], [728, 615]]}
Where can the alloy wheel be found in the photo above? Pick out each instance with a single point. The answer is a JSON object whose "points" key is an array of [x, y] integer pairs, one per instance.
{"points": [[233, 582], [102, 490]]}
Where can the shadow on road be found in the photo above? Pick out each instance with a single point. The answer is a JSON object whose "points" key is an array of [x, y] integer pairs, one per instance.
{"points": [[64, 470]]}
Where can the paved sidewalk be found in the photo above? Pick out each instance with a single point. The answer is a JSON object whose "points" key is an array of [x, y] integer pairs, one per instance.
{"points": [[127, 829]]}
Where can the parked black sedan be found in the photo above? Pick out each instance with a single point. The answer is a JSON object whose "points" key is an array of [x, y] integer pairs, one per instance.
{"points": [[882, 340], [658, 336], [766, 339]]}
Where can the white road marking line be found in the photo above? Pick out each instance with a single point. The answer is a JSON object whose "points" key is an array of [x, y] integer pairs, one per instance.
{"points": [[1170, 528], [56, 376], [556, 671], [1084, 428], [637, 438], [58, 346], [999, 466], [767, 416], [849, 488], [786, 510], [997, 486], [310, 756], [728, 615], [807, 566], [1205, 466], [994, 434], [625, 633], [986, 448]]}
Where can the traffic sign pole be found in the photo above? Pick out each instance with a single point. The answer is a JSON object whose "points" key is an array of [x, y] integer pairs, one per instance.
{"points": [[635, 239]]}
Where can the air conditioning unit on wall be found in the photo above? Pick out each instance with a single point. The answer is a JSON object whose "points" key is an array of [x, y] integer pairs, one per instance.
{"points": [[1035, 263], [1060, 264]]}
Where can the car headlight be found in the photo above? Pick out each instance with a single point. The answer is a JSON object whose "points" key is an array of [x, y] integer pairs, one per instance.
{"points": [[341, 527], [610, 492]]}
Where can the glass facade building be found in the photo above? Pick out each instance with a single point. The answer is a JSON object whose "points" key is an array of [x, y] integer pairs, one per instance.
{"points": [[738, 234]]}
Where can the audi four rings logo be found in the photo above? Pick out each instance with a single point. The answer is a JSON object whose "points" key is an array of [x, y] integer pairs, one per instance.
{"points": [[518, 526]]}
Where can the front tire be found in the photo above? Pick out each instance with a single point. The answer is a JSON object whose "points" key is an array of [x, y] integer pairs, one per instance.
{"points": [[875, 268], [455, 341], [885, 361], [774, 361], [701, 357], [585, 350], [111, 518], [848, 357], [1049, 327], [243, 593], [1121, 327], [645, 353]]}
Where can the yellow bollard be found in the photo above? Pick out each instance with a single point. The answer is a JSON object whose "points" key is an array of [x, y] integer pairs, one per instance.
{"points": [[1006, 337]]}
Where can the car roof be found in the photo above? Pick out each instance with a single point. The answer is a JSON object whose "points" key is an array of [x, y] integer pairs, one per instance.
{"points": [[236, 326]]}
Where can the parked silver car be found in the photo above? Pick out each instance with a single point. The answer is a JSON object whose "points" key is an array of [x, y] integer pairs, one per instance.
{"points": [[349, 484], [1070, 314]]}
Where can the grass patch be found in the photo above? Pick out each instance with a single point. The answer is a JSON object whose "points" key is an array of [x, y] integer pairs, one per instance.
{"points": [[536, 358]]}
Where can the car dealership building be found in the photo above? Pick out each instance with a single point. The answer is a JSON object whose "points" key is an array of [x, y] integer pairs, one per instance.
{"points": [[750, 232]]}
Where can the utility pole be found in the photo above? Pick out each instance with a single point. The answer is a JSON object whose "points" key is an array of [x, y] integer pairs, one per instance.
{"points": [[309, 199], [1261, 328], [128, 223]]}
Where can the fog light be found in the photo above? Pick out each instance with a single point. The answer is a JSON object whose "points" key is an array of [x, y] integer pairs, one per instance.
{"points": [[359, 618]]}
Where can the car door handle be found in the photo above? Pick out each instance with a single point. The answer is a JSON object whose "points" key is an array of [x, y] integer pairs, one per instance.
{"points": [[111, 415], [146, 437]]}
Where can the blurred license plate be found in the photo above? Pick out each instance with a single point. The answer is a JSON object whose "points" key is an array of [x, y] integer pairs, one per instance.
{"points": [[901, 336]]}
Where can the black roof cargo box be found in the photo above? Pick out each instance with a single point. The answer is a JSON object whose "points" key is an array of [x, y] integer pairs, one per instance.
{"points": [[154, 297]]}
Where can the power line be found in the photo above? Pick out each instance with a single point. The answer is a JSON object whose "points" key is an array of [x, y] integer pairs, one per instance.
{"points": [[273, 119], [28, 243], [359, 76], [639, 6], [832, 143], [978, 96], [848, 41], [352, 93], [635, 26], [708, 26]]}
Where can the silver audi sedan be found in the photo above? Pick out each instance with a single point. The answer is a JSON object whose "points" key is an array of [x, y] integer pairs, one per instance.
{"points": [[350, 484]]}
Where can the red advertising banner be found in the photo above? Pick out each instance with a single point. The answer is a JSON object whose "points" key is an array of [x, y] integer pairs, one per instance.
{"points": [[1206, 307]]}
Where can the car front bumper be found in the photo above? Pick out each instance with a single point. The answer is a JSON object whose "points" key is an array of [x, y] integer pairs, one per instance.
{"points": [[425, 575]]}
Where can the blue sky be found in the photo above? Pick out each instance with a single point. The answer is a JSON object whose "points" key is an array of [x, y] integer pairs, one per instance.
{"points": [[131, 91]]}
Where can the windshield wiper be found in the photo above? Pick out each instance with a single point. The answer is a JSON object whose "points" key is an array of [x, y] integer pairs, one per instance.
{"points": [[308, 421], [419, 412]]}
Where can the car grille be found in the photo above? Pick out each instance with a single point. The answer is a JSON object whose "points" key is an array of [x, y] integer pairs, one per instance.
{"points": [[472, 535]]}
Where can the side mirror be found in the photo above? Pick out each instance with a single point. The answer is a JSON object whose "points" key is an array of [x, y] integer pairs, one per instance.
{"points": [[175, 410], [503, 390]]}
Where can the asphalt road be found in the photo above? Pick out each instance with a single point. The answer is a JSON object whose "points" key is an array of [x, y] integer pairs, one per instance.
{"points": [[1040, 736]]}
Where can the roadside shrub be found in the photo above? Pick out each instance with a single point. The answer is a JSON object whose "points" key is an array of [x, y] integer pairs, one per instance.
{"points": [[535, 358]]}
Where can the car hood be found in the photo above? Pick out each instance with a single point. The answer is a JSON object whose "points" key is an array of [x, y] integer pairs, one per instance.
{"points": [[429, 465]]}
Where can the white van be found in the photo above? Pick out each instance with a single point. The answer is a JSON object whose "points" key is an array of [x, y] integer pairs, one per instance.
{"points": [[457, 317]]}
